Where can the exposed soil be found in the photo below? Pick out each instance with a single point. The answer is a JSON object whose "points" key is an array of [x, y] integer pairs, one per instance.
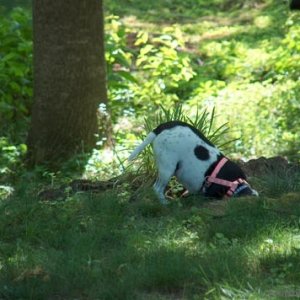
{"points": [[262, 166], [253, 168]]}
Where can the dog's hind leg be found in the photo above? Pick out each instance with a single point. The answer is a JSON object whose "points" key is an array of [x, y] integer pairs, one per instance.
{"points": [[165, 173], [159, 188]]}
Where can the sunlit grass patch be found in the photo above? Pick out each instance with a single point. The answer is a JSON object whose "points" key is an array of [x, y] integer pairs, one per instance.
{"points": [[279, 257], [280, 243]]}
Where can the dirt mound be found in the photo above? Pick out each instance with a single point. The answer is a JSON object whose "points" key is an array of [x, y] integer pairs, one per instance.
{"points": [[262, 165]]}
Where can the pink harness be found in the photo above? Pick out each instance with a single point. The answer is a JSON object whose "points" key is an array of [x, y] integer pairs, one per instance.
{"points": [[231, 184]]}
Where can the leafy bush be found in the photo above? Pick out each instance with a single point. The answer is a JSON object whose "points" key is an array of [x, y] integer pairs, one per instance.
{"points": [[144, 70], [119, 60], [163, 67], [10, 156], [256, 90], [285, 60], [15, 73]]}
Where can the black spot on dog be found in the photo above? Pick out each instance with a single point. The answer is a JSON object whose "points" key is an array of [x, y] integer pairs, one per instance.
{"points": [[201, 152], [172, 124]]}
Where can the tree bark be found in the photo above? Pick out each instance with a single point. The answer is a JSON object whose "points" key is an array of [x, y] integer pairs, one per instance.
{"points": [[69, 78]]}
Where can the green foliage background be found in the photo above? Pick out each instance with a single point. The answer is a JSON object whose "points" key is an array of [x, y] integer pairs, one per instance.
{"points": [[239, 57], [246, 64]]}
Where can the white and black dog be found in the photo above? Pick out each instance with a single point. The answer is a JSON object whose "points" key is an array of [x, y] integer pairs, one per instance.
{"points": [[183, 151]]}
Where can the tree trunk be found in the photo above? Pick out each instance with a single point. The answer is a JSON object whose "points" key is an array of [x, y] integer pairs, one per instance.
{"points": [[69, 78]]}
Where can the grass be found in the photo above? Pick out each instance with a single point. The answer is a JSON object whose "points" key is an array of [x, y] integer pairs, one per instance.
{"points": [[103, 246], [165, 11]]}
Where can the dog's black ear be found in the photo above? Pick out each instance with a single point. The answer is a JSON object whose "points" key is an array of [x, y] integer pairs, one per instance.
{"points": [[295, 4]]}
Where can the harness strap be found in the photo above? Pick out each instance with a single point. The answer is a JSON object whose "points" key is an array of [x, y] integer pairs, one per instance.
{"points": [[218, 167], [231, 184]]}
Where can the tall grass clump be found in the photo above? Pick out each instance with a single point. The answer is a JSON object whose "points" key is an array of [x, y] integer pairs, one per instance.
{"points": [[203, 120]]}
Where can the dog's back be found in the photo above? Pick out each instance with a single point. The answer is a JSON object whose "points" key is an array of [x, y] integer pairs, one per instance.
{"points": [[181, 149]]}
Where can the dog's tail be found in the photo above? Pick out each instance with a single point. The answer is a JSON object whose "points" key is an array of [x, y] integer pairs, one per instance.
{"points": [[148, 140]]}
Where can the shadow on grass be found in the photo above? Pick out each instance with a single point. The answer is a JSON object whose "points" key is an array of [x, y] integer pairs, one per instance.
{"points": [[101, 246], [165, 11]]}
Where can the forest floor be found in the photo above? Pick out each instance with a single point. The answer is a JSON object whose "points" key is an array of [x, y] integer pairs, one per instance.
{"points": [[97, 241]]}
